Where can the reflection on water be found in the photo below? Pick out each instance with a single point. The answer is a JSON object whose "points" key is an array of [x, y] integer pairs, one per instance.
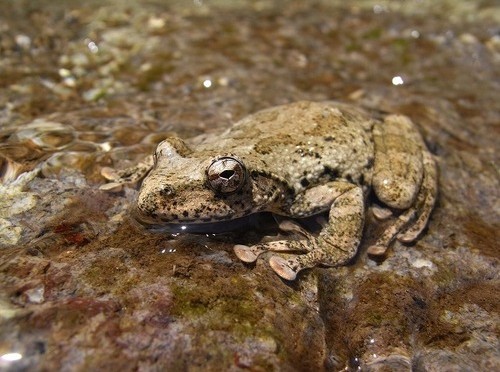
{"points": [[11, 357]]}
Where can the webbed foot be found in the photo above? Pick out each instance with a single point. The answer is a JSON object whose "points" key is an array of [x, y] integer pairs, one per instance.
{"points": [[125, 177], [286, 269], [250, 254], [247, 254]]}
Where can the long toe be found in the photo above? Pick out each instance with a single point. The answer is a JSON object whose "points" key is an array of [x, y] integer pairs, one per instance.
{"points": [[282, 268], [377, 250], [409, 236], [246, 253]]}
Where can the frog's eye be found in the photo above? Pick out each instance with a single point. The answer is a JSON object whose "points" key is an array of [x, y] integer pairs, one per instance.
{"points": [[226, 175]]}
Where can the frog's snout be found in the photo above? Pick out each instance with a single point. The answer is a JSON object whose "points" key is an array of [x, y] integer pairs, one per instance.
{"points": [[154, 198]]}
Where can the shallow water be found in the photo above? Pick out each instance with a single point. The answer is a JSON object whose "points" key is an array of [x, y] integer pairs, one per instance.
{"points": [[82, 88]]}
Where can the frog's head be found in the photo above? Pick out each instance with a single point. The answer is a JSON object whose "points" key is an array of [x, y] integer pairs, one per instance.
{"points": [[186, 187]]}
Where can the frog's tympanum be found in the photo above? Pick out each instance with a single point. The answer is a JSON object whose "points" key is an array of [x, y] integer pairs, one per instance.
{"points": [[296, 161]]}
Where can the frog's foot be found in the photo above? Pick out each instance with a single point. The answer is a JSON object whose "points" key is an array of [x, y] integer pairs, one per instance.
{"points": [[129, 176], [111, 175], [429, 194], [246, 253], [410, 223], [287, 269], [383, 242], [250, 254]]}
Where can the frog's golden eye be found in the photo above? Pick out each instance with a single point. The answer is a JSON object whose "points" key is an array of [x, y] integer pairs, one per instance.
{"points": [[226, 175]]}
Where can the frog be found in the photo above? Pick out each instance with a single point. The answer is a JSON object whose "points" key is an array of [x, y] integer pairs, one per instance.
{"points": [[295, 161]]}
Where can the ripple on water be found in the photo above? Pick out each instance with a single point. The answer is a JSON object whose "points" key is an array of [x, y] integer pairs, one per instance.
{"points": [[46, 134]]}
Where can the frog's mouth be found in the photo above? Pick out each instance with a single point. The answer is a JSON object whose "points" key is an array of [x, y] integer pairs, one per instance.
{"points": [[199, 227]]}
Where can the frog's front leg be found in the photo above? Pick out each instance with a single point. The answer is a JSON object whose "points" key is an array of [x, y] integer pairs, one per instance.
{"points": [[338, 241], [129, 176], [250, 254]]}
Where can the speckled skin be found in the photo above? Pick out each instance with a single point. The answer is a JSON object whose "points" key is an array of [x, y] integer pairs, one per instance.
{"points": [[297, 160]]}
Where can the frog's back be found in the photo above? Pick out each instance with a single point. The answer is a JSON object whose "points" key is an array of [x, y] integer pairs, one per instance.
{"points": [[308, 143]]}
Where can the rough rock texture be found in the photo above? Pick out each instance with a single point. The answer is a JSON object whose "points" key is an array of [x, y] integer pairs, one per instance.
{"points": [[83, 287]]}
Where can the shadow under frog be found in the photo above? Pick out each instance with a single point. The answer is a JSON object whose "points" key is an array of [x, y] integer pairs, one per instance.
{"points": [[295, 161]]}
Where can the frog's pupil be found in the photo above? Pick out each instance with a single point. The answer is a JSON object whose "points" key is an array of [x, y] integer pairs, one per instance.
{"points": [[227, 174]]}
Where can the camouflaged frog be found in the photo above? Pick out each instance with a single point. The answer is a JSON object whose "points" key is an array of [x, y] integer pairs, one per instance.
{"points": [[298, 160]]}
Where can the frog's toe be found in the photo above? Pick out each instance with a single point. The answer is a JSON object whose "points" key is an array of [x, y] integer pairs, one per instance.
{"points": [[109, 174], [425, 201], [381, 213], [291, 226], [411, 234], [246, 253], [377, 250], [283, 268], [385, 239], [112, 187]]}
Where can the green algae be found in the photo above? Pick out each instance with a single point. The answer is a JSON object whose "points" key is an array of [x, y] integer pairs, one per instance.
{"points": [[103, 273], [228, 304]]}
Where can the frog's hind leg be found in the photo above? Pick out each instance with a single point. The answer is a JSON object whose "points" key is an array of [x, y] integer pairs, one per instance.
{"points": [[337, 242], [411, 222]]}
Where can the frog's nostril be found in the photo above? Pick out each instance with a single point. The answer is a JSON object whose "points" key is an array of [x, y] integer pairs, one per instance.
{"points": [[166, 190]]}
